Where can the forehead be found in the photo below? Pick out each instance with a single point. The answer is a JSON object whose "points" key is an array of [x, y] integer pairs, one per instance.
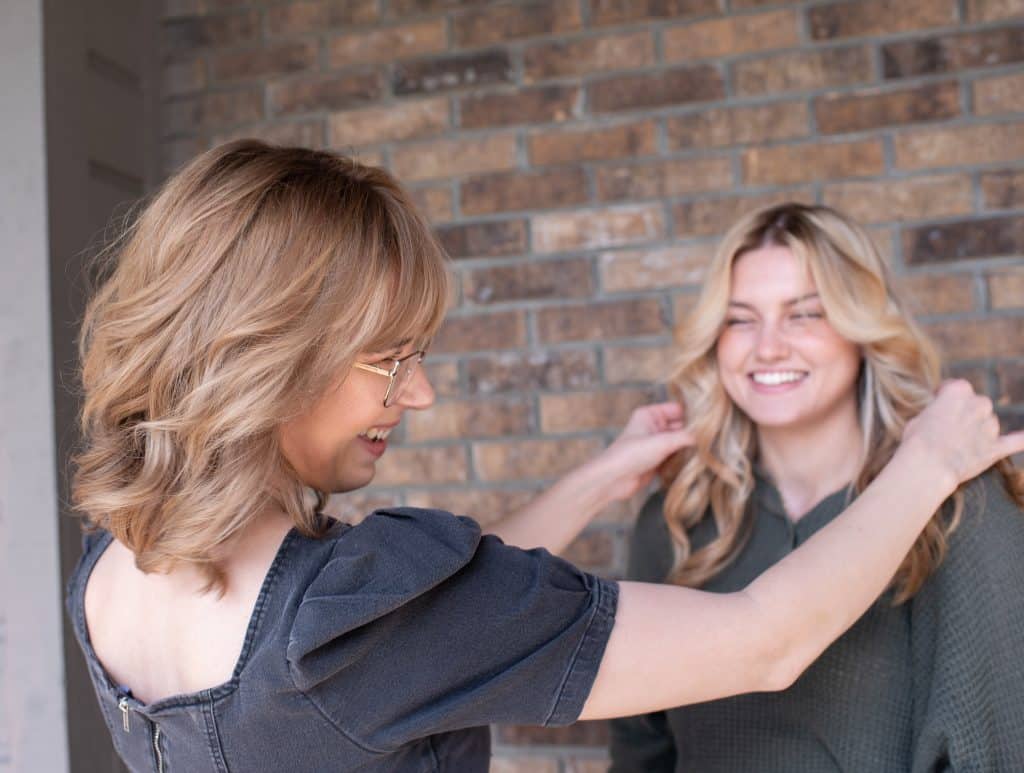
{"points": [[769, 275]]}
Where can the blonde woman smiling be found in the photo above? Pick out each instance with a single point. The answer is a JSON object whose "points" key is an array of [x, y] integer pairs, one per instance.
{"points": [[259, 336], [801, 369]]}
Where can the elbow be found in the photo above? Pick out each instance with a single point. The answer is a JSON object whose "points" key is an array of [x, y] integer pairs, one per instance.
{"points": [[783, 655]]}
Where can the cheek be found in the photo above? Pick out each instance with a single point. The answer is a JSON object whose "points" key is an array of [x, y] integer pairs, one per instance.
{"points": [[731, 355]]}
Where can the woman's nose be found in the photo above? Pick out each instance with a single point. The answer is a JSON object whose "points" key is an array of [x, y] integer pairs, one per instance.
{"points": [[771, 343], [419, 392]]}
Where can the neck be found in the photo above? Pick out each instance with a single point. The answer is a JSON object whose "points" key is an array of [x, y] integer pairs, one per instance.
{"points": [[810, 461]]}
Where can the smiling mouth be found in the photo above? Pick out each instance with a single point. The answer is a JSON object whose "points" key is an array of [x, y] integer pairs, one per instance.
{"points": [[376, 434], [777, 377]]}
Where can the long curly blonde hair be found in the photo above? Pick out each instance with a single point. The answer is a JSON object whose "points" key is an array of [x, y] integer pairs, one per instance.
{"points": [[242, 290], [899, 374]]}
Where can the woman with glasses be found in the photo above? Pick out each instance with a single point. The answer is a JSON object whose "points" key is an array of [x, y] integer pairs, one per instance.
{"points": [[258, 337], [802, 369]]}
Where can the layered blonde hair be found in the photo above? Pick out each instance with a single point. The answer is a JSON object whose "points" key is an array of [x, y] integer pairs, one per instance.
{"points": [[900, 372], [242, 291]]}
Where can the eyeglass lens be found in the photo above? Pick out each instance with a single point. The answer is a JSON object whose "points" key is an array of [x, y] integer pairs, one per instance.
{"points": [[402, 378]]}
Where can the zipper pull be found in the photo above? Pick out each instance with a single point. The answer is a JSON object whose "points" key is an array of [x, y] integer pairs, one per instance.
{"points": [[122, 704]]}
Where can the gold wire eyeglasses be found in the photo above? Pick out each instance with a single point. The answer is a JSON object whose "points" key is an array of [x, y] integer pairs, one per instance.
{"points": [[399, 375]]}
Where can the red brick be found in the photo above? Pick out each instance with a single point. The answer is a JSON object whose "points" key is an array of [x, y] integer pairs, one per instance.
{"points": [[548, 189], [213, 110], [625, 140], [348, 12], [1011, 383], [296, 18], [490, 239], [481, 68], [578, 734], [529, 281], [308, 134], [1004, 94], [655, 269], [638, 364], [1006, 289], [932, 148], [601, 321], [479, 332], [276, 59], [470, 419], [937, 293], [531, 764], [434, 201], [979, 339], [915, 198], [709, 217], [187, 35], [950, 53], [731, 36], [878, 17], [665, 177], [353, 506], [532, 371], [444, 376], [593, 550], [586, 765], [405, 466], [325, 92], [941, 242], [802, 71], [806, 163], [722, 127], [994, 10], [1003, 189], [451, 158], [400, 121], [499, 24], [607, 12], [485, 506], [562, 231], [561, 58], [532, 459], [669, 87], [874, 108], [579, 411], [386, 44], [548, 104]]}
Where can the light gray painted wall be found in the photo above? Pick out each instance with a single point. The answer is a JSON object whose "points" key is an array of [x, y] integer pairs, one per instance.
{"points": [[32, 712]]}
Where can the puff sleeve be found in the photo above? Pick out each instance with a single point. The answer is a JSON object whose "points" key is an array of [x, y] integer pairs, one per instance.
{"points": [[416, 624]]}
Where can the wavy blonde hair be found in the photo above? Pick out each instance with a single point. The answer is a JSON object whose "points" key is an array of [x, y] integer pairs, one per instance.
{"points": [[239, 294], [899, 374]]}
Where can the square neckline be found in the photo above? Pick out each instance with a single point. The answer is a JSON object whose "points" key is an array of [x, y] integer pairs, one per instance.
{"points": [[95, 548]]}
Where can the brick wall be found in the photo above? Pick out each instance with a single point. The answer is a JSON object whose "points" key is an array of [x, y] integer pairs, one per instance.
{"points": [[580, 157]]}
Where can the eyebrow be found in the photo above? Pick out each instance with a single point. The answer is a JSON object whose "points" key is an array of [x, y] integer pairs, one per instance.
{"points": [[791, 302]]}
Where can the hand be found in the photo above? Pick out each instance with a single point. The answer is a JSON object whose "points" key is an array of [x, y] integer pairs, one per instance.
{"points": [[651, 435], [960, 433]]}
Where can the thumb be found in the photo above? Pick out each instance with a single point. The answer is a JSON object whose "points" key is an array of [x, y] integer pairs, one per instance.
{"points": [[1009, 444]]}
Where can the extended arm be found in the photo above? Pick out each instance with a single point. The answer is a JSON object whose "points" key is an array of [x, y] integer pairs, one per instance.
{"points": [[554, 518], [763, 637]]}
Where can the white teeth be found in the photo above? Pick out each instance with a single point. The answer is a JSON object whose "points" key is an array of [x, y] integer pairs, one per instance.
{"points": [[774, 378], [376, 434]]}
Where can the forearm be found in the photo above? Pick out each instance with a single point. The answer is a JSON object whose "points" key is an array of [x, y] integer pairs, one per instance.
{"points": [[812, 597], [557, 516], [673, 646]]}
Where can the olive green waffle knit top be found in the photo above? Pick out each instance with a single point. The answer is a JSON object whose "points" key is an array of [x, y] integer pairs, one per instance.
{"points": [[936, 684]]}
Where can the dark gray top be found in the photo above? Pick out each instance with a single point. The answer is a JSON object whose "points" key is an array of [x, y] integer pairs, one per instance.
{"points": [[936, 684], [383, 647]]}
